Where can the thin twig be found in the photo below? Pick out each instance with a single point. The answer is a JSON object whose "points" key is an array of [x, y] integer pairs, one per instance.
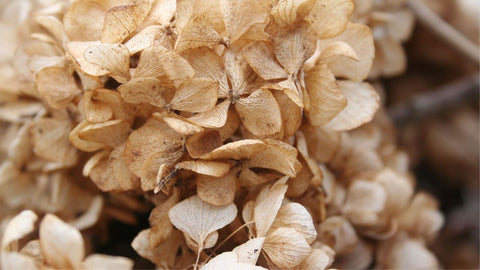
{"points": [[444, 30], [232, 234], [436, 101]]}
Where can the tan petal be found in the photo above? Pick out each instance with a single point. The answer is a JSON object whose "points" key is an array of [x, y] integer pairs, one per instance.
{"points": [[289, 87], [318, 259], [260, 113], [360, 38], [330, 17], [111, 133], [62, 244], [84, 20], [261, 58], [400, 24], [143, 39], [87, 146], [338, 48], [292, 48], [229, 260], [161, 227], [154, 137], [91, 215], [217, 190], [393, 57], [203, 143], [249, 251], [99, 261], [267, 204], [145, 90], [288, 12], [178, 123], [326, 98], [249, 178], [18, 227], [123, 176], [50, 140], [363, 102], [121, 21], [365, 201], [215, 118], [238, 150], [291, 113], [95, 111], [210, 168], [198, 219], [165, 253], [232, 124], [277, 156], [286, 248], [240, 15], [113, 58], [238, 72], [161, 63], [56, 86], [76, 51], [322, 138], [208, 64], [196, 95], [296, 216], [106, 98], [198, 33], [13, 260], [338, 233]]}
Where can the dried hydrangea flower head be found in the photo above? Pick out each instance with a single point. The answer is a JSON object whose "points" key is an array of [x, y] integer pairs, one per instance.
{"points": [[244, 123]]}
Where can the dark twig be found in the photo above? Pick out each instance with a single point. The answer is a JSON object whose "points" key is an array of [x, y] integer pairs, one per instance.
{"points": [[436, 101], [430, 19]]}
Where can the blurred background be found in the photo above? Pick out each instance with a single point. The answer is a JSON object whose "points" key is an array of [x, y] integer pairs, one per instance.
{"points": [[435, 106]]}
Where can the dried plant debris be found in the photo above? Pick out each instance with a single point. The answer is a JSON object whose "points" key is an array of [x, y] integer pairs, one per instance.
{"points": [[245, 127]]}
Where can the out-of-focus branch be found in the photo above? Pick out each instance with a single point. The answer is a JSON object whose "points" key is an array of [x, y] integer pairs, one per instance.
{"points": [[429, 18], [436, 101]]}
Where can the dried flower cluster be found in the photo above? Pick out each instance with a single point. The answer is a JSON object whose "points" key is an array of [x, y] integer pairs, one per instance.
{"points": [[244, 122]]}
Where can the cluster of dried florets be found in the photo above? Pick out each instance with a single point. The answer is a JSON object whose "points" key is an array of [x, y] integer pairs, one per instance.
{"points": [[216, 107]]}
